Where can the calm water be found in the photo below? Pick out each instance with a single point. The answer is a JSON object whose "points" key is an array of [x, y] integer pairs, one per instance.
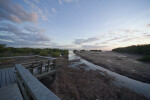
{"points": [[120, 80]]}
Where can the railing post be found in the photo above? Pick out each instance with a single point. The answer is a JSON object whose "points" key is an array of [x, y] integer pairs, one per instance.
{"points": [[40, 68], [54, 64], [48, 65], [32, 66]]}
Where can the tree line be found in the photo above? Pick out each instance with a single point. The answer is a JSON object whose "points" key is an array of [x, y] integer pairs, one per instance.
{"points": [[136, 49], [12, 51]]}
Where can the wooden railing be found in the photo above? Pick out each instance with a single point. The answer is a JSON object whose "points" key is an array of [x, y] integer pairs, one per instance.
{"points": [[41, 68], [32, 88]]}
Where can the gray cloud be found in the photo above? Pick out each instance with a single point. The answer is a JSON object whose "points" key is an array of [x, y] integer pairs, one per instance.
{"points": [[15, 13], [148, 25], [28, 35], [89, 47], [80, 41]]}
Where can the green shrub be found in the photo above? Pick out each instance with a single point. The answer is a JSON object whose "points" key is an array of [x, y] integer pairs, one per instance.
{"points": [[5, 60], [145, 58], [135, 49], [55, 54], [11, 51], [43, 54]]}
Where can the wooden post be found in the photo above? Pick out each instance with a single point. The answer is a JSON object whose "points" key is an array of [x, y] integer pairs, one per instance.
{"points": [[41, 67], [48, 65], [32, 66], [54, 64]]}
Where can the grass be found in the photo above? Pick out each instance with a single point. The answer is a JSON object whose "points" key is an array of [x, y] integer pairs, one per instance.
{"points": [[145, 58], [55, 54], [5, 60]]}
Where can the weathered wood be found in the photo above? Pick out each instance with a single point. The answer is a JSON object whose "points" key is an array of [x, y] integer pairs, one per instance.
{"points": [[39, 76], [7, 77], [0, 77], [13, 72], [12, 79], [36, 89], [3, 83], [10, 92]]}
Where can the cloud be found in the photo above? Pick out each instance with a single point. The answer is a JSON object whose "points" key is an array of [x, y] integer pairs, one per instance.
{"points": [[89, 47], [66, 1], [80, 41], [120, 31], [43, 14], [15, 13], [53, 10], [26, 35], [148, 25]]}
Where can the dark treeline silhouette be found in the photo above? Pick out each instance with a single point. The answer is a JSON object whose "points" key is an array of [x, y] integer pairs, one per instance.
{"points": [[11, 51], [135, 49], [96, 50]]}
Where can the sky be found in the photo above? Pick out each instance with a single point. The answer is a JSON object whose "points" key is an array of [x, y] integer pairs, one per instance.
{"points": [[74, 24]]}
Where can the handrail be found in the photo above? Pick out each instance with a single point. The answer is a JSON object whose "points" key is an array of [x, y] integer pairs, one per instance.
{"points": [[31, 87]]}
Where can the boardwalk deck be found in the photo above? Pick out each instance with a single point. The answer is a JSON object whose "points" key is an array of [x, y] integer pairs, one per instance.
{"points": [[10, 92], [30, 88], [7, 77]]}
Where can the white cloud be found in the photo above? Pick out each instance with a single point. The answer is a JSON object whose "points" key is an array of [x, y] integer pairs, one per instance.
{"points": [[66, 1], [43, 13], [53, 10]]}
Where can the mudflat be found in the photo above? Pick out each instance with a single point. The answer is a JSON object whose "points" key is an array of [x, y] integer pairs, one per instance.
{"points": [[121, 63]]}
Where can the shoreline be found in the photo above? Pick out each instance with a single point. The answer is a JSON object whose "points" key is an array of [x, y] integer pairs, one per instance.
{"points": [[134, 76]]}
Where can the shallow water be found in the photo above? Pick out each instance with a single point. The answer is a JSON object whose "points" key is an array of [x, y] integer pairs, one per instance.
{"points": [[120, 80]]}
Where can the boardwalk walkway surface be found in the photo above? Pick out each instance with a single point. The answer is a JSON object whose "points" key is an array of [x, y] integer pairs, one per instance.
{"points": [[7, 76], [10, 92], [19, 84]]}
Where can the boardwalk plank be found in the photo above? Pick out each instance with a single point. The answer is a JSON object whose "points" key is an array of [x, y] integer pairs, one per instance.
{"points": [[0, 77], [10, 92], [8, 82], [13, 72], [12, 78], [3, 83]]}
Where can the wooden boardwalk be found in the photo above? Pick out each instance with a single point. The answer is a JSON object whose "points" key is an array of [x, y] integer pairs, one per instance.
{"points": [[10, 92], [7, 76], [19, 83]]}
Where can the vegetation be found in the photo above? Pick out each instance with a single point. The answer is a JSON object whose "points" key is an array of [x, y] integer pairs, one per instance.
{"points": [[96, 50], [75, 84], [74, 50], [4, 60], [11, 51], [55, 54], [137, 49], [145, 58]]}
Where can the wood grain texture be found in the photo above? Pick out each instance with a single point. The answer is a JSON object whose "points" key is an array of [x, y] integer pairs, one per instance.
{"points": [[10, 92], [7, 77]]}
